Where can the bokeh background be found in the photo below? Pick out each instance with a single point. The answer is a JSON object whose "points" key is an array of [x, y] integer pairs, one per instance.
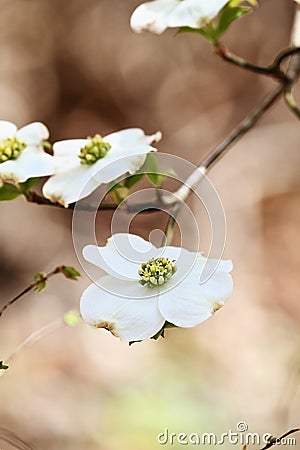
{"points": [[79, 68]]}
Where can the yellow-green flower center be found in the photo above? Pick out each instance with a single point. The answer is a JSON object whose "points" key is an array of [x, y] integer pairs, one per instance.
{"points": [[96, 149], [11, 148], [156, 272]]}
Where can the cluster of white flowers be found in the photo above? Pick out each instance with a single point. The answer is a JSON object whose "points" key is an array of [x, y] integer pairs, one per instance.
{"points": [[78, 166], [145, 288]]}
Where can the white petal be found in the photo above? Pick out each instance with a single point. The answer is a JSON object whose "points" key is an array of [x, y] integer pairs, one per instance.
{"points": [[114, 165], [190, 303], [206, 267], [32, 162], [7, 129], [122, 256], [69, 147], [131, 137], [127, 154], [130, 320], [33, 134], [66, 154], [152, 16], [195, 13], [71, 186]]}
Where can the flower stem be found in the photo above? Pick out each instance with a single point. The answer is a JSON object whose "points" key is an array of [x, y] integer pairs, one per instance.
{"points": [[286, 81], [154, 206]]}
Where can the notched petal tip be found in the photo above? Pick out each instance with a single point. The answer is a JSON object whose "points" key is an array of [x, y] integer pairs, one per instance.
{"points": [[109, 326], [157, 137]]}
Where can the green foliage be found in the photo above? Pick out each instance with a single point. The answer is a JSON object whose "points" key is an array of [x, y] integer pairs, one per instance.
{"points": [[29, 184], [228, 15], [132, 180], [9, 192], [70, 273], [120, 193], [207, 32], [234, 3], [212, 32], [120, 188], [3, 366], [161, 333], [40, 279]]}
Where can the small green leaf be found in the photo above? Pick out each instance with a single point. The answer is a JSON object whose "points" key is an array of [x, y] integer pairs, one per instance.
{"points": [[70, 273], [131, 180], [161, 332], [3, 366], [150, 164], [9, 192], [234, 3], [29, 184], [40, 281], [72, 318], [119, 194], [228, 15], [115, 184], [207, 32], [156, 179]]}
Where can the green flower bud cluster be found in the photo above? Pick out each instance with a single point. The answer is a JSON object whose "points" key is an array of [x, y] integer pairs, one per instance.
{"points": [[156, 272], [96, 149], [11, 148]]}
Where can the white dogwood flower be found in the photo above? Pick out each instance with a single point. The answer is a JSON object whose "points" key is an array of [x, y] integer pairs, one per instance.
{"points": [[158, 15], [21, 152], [146, 286], [83, 164]]}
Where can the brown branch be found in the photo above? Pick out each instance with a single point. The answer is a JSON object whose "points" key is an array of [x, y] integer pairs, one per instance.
{"points": [[39, 282], [154, 206], [273, 71]]}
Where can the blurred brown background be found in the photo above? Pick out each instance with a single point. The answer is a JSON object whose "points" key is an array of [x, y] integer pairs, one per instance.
{"points": [[79, 68]]}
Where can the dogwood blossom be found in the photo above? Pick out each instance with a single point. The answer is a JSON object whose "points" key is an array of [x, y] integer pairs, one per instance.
{"points": [[83, 164], [146, 286], [21, 152], [158, 15]]}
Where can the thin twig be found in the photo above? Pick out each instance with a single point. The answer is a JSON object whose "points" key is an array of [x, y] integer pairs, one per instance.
{"points": [[272, 71], [250, 120], [33, 197], [294, 66], [154, 206], [31, 287], [290, 102]]}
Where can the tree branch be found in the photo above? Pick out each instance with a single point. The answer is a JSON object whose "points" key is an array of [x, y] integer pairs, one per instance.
{"points": [[39, 284]]}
